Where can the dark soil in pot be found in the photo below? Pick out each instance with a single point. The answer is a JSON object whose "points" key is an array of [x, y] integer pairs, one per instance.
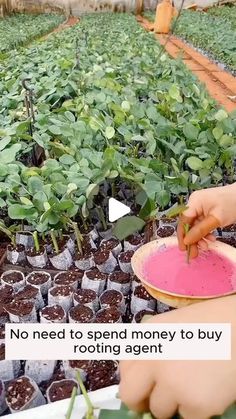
{"points": [[85, 261], [37, 259], [60, 390], [105, 261], [23, 394], [138, 317], [6, 294], [95, 280], [30, 293], [142, 293], [86, 297], [133, 242], [110, 298], [112, 245], [81, 314], [108, 315], [2, 352], [72, 278], [13, 278], [141, 300], [72, 367], [165, 231], [125, 261], [120, 281], [102, 374], [172, 221], [62, 295], [21, 311], [16, 254], [53, 314], [41, 280]]}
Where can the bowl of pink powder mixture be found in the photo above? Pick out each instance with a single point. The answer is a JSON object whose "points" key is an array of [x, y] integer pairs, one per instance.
{"points": [[167, 276]]}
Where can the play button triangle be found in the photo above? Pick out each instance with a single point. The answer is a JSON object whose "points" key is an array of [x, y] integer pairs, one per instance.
{"points": [[117, 210]]}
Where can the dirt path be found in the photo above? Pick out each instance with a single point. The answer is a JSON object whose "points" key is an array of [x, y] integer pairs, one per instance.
{"points": [[220, 84], [71, 21]]}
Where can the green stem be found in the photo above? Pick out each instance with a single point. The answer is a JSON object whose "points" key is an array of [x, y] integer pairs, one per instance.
{"points": [[54, 241], [113, 189], [13, 240], [36, 241], [72, 402], [78, 236], [102, 217], [90, 408], [186, 230]]}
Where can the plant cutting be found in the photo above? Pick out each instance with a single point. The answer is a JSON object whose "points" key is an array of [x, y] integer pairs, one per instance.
{"points": [[15, 251], [61, 259], [37, 256]]}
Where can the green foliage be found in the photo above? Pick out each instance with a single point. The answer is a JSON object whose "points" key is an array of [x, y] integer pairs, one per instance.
{"points": [[214, 32], [19, 29]]}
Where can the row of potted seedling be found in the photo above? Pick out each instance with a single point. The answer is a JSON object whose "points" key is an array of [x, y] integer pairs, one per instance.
{"points": [[43, 382]]}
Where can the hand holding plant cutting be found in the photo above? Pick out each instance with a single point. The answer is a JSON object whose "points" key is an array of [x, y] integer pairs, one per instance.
{"points": [[198, 389], [207, 210]]}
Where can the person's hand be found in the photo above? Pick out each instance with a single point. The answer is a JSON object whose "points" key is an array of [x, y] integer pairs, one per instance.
{"points": [[207, 210], [196, 389]]}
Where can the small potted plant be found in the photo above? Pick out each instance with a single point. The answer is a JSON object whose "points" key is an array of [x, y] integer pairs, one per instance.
{"points": [[15, 251], [22, 311], [61, 258], [37, 255], [120, 281], [112, 297], [124, 259], [105, 261]]}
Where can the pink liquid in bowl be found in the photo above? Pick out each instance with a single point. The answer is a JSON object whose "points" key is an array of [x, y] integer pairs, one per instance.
{"points": [[210, 274]]}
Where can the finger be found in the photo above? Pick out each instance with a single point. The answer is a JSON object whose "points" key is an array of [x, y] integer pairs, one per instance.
{"points": [[161, 404], [136, 385], [211, 237], [181, 230], [203, 245], [200, 230], [193, 251]]}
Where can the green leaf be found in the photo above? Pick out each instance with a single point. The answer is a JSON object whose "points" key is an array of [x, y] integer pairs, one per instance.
{"points": [[54, 129], [26, 201], [163, 198], [190, 131], [67, 159], [176, 211], [110, 132], [64, 205], [221, 115], [226, 141], [69, 115], [35, 184], [125, 105], [19, 212], [194, 163], [92, 190], [217, 132], [127, 226], [4, 142], [8, 155]]}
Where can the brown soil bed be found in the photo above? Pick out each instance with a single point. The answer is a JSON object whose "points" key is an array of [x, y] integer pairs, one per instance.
{"points": [[20, 307], [19, 393], [109, 244], [32, 252], [101, 256], [18, 248], [134, 240], [2, 331], [102, 374], [26, 293], [83, 365]]}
